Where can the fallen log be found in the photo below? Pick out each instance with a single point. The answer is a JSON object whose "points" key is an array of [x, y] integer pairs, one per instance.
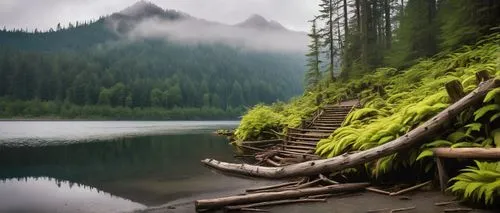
{"points": [[410, 189], [445, 203], [272, 186], [416, 136], [273, 203], [372, 189], [467, 153], [403, 209], [202, 205], [261, 142]]}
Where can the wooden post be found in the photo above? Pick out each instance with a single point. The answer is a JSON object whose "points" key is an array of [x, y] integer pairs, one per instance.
{"points": [[443, 176], [482, 75], [455, 90], [379, 89]]}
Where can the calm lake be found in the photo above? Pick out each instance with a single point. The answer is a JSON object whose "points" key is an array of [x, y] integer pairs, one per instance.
{"points": [[109, 166]]}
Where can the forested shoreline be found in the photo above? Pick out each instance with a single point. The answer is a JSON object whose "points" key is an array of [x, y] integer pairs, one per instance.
{"points": [[88, 71]]}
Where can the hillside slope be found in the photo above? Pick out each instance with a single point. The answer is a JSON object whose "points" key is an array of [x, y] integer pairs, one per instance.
{"points": [[147, 57]]}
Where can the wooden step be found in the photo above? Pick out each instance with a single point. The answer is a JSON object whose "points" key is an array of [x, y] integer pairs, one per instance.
{"points": [[305, 143], [323, 123], [332, 116], [310, 151], [312, 135], [297, 153], [326, 124], [330, 120], [324, 128], [300, 147], [310, 130], [304, 139]]}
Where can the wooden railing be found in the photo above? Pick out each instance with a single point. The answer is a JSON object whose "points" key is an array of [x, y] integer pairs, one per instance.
{"points": [[307, 123]]}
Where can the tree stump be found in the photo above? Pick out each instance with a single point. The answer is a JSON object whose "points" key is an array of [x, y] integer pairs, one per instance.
{"points": [[482, 75], [455, 90]]}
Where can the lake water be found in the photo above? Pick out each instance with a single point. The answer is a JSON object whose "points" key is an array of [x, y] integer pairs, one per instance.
{"points": [[78, 166]]}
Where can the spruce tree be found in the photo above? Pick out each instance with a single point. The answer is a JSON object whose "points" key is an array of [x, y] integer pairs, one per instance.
{"points": [[313, 62]]}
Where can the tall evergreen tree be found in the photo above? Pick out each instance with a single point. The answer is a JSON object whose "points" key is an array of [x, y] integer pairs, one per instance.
{"points": [[327, 34], [313, 75]]}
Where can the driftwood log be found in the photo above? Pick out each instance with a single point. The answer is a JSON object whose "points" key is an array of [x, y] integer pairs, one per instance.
{"points": [[416, 136], [474, 153], [217, 203]]}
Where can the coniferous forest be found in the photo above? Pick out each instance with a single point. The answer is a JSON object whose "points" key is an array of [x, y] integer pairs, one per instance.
{"points": [[90, 70], [395, 58]]}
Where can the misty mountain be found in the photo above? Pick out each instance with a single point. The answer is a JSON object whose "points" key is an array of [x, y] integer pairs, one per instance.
{"points": [[258, 22], [145, 56]]}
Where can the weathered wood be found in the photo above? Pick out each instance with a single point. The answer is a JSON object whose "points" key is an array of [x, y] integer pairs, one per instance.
{"points": [[410, 189], [372, 189], [445, 203], [309, 130], [217, 203], [273, 203], [483, 153], [482, 75], [252, 148], [403, 209], [442, 174], [273, 163], [327, 180], [455, 90], [414, 137], [261, 142], [253, 210], [272, 186]]}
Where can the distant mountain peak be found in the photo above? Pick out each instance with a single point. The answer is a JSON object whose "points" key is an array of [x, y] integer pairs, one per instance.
{"points": [[142, 8], [259, 22]]}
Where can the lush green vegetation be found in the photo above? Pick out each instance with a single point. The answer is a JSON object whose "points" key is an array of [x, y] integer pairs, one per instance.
{"points": [[480, 183], [399, 76], [99, 74]]}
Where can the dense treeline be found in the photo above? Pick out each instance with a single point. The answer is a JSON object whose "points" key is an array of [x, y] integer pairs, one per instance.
{"points": [[395, 57], [361, 35], [138, 74]]}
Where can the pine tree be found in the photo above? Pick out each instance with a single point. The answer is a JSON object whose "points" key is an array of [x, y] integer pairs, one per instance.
{"points": [[313, 62], [327, 34]]}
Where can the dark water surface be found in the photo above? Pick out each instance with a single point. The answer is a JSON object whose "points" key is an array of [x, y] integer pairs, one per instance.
{"points": [[108, 166]]}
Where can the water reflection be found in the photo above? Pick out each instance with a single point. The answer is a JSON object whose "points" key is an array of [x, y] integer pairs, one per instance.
{"points": [[42, 133], [149, 169], [44, 194]]}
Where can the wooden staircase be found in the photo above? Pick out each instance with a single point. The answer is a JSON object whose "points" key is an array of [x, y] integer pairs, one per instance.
{"points": [[303, 140], [299, 144]]}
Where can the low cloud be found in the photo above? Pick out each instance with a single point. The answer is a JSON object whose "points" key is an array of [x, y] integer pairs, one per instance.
{"points": [[193, 30]]}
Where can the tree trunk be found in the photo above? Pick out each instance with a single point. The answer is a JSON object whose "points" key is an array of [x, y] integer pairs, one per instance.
{"points": [[270, 196], [364, 32], [388, 27], [416, 136], [358, 15], [455, 90], [472, 153], [346, 20], [332, 52]]}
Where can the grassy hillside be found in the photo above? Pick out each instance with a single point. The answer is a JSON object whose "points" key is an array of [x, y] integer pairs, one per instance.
{"points": [[409, 98]]}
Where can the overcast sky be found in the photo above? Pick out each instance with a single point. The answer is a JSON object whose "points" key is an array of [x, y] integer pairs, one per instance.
{"points": [[43, 14]]}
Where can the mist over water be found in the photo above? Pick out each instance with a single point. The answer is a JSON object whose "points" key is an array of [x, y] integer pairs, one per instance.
{"points": [[41, 133]]}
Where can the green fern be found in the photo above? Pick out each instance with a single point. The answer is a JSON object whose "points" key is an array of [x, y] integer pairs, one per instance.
{"points": [[491, 95], [485, 109], [478, 184]]}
